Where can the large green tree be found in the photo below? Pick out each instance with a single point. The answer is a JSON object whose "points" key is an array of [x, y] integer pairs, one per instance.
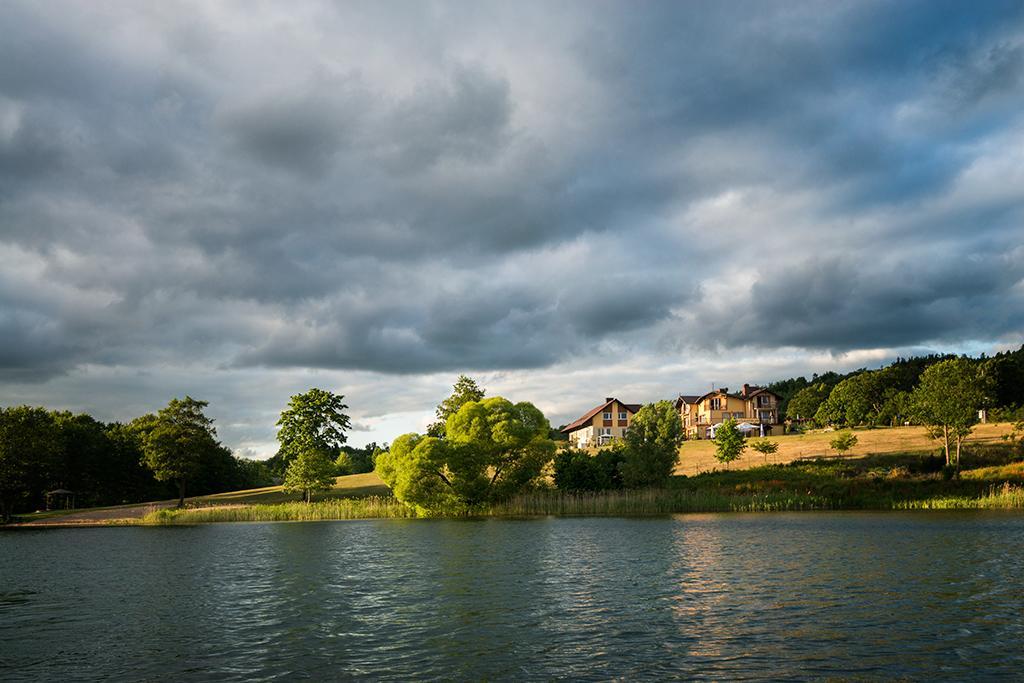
{"points": [[465, 390], [652, 445], [30, 454], [851, 402], [947, 401], [492, 449], [309, 472], [177, 440], [313, 421], [805, 403]]}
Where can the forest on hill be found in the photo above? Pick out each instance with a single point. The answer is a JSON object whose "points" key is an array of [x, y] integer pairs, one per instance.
{"points": [[880, 396]]}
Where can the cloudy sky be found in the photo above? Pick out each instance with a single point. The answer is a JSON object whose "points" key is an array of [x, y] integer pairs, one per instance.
{"points": [[567, 200]]}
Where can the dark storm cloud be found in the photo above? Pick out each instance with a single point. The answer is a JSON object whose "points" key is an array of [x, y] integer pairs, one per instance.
{"points": [[468, 324], [840, 306], [331, 187]]}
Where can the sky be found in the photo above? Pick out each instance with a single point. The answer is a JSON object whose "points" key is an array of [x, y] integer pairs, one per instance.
{"points": [[567, 200]]}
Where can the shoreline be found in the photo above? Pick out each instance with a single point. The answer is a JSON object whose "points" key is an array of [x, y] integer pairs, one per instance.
{"points": [[645, 503]]}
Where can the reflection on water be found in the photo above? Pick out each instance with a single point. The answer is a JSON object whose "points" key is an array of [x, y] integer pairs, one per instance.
{"points": [[713, 596]]}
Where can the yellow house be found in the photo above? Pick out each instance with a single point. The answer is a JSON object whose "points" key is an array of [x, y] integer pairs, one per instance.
{"points": [[602, 424], [755, 409]]}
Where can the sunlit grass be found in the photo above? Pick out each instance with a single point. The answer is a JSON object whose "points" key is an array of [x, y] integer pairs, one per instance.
{"points": [[699, 456], [371, 507], [1005, 497], [354, 485]]}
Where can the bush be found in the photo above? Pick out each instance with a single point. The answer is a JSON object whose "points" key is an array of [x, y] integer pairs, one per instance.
{"points": [[843, 442], [577, 470]]}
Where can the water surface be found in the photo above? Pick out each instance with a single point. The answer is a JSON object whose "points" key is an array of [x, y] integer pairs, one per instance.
{"points": [[775, 596]]}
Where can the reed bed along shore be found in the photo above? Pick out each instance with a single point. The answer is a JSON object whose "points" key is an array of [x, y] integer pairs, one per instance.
{"points": [[373, 507], [603, 504], [1005, 497], [654, 502]]}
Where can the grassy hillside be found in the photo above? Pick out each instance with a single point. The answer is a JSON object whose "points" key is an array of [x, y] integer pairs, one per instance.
{"points": [[699, 456], [352, 486]]}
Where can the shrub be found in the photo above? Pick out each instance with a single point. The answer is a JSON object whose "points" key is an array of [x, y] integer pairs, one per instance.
{"points": [[843, 442], [577, 470], [765, 447]]}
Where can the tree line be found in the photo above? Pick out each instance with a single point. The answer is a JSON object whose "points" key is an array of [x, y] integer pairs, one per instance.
{"points": [[884, 396], [154, 456]]}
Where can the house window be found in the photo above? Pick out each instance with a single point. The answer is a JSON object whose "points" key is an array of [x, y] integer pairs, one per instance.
{"points": [[762, 400], [606, 431], [716, 404], [608, 416], [624, 430], [622, 414], [737, 416]]}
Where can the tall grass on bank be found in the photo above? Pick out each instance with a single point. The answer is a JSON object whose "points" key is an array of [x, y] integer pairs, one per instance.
{"points": [[1005, 497], [373, 507], [655, 502], [606, 503]]}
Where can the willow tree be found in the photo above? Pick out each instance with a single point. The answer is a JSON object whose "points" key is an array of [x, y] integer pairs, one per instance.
{"points": [[491, 450], [465, 390]]}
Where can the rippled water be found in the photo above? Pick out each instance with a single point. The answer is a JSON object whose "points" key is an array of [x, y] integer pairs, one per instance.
{"points": [[717, 596]]}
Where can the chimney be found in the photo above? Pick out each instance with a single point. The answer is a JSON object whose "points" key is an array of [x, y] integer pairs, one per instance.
{"points": [[724, 390], [609, 398], [746, 389]]}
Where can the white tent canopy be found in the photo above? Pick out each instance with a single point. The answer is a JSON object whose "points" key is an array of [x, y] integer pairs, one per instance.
{"points": [[744, 427]]}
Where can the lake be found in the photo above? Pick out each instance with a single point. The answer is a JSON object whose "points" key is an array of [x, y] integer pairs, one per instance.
{"points": [[734, 596]]}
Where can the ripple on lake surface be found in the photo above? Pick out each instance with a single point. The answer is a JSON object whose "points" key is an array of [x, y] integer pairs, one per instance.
{"points": [[701, 596]]}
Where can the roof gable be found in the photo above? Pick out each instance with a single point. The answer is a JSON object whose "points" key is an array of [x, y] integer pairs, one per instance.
{"points": [[589, 415]]}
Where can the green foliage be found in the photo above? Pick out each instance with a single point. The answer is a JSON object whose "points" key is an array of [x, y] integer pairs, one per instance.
{"points": [[177, 440], [1016, 437], [843, 442], [313, 421], [947, 400], [250, 474], [357, 460], [465, 390], [1006, 373], [30, 453], [729, 442], [851, 401], [492, 449], [578, 470], [652, 445], [309, 472], [765, 447], [805, 403]]}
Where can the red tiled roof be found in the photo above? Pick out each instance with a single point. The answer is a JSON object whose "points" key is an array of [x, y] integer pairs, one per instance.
{"points": [[573, 426]]}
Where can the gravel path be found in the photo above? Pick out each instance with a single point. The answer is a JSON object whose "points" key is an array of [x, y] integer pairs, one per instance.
{"points": [[101, 517]]}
